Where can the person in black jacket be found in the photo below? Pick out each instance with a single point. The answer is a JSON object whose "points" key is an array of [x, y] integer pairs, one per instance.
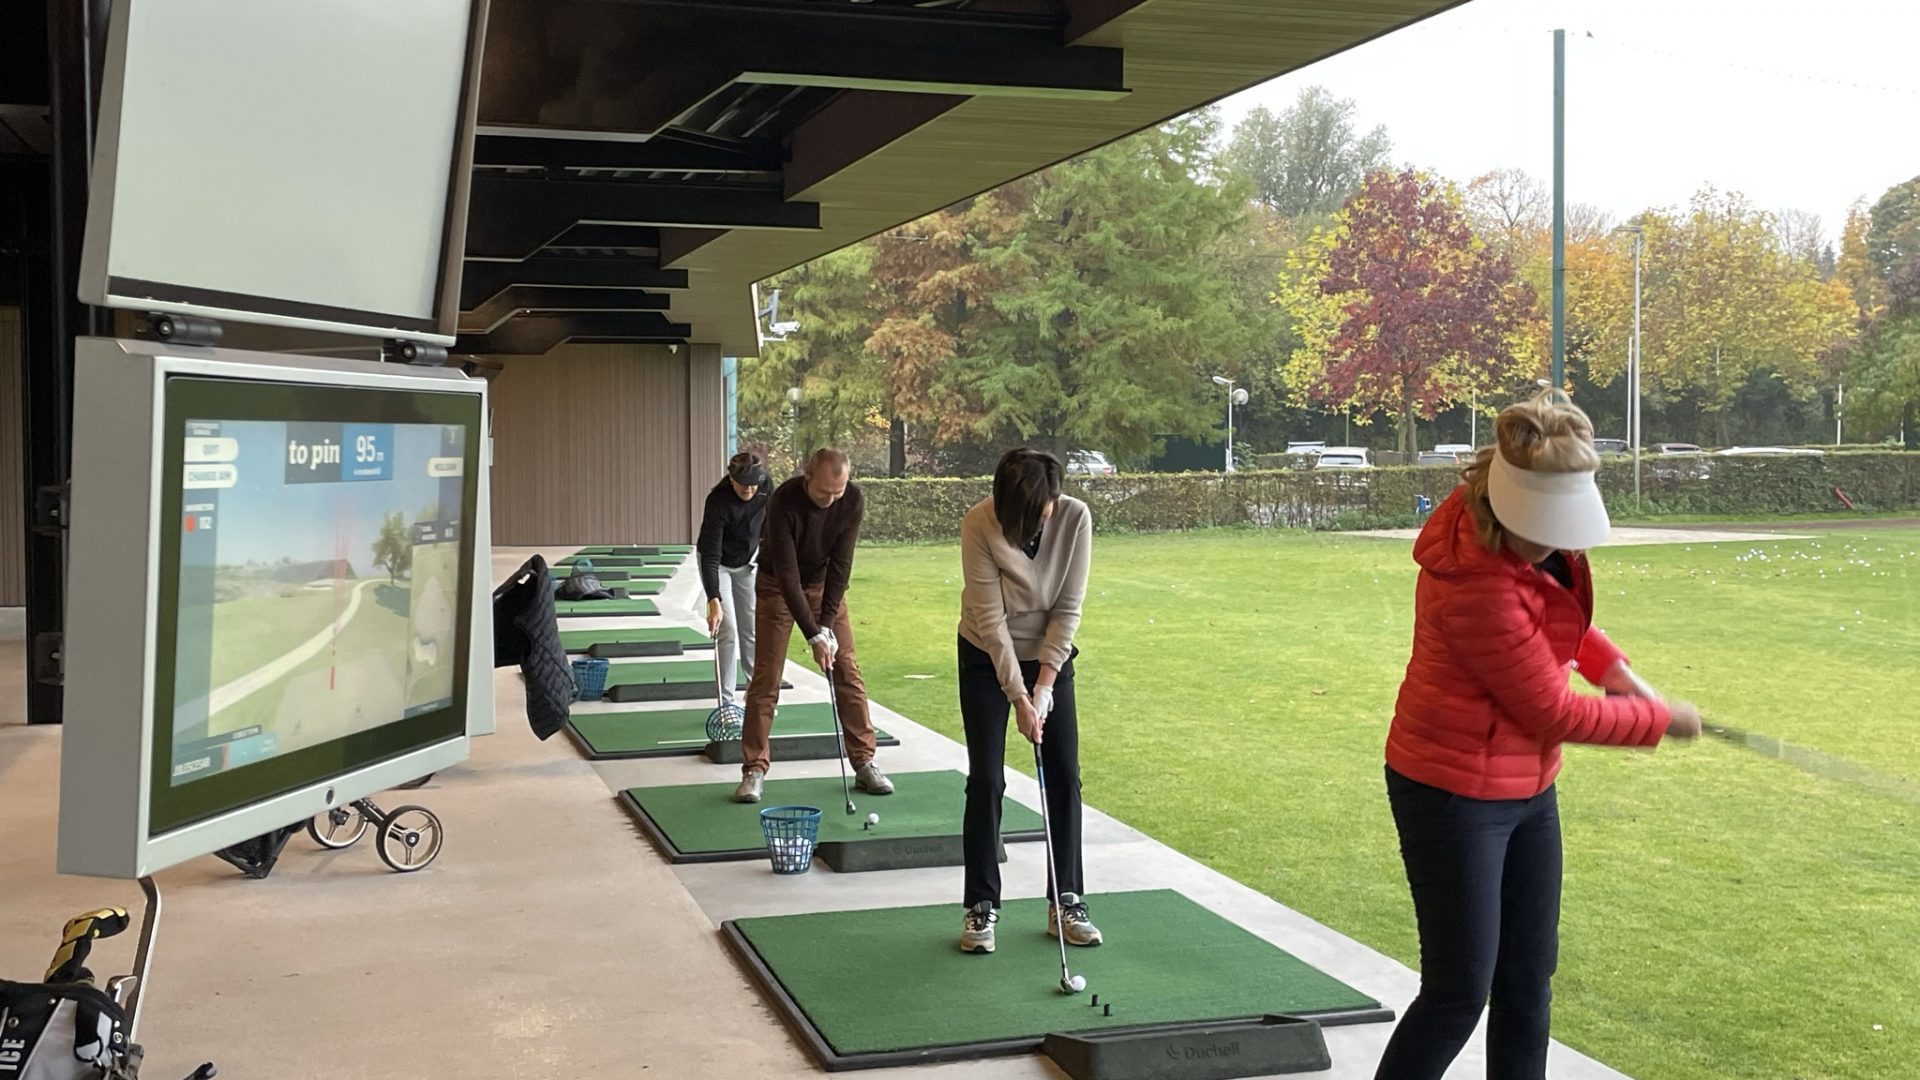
{"points": [[729, 545]]}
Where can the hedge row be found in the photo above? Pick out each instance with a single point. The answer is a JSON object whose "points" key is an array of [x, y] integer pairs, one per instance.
{"points": [[931, 509]]}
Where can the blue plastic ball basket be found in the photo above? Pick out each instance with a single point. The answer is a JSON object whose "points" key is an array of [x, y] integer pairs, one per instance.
{"points": [[791, 833], [725, 723], [590, 678]]}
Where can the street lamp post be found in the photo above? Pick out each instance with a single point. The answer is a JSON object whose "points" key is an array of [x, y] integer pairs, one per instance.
{"points": [[1633, 358], [1234, 397], [793, 425]]}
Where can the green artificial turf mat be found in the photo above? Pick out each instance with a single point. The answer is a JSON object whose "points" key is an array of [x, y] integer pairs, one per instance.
{"points": [[703, 819], [620, 574], [622, 562], [566, 609], [661, 732], [1166, 960], [579, 641], [634, 672], [633, 588]]}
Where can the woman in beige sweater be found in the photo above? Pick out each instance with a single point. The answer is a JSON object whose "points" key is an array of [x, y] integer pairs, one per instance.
{"points": [[1025, 554]]}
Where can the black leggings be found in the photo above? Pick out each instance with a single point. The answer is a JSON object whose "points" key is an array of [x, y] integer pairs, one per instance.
{"points": [[1485, 877], [983, 712]]}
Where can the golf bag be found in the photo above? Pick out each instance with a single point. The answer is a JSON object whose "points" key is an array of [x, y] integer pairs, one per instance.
{"points": [[63, 1031], [66, 1028], [583, 585]]}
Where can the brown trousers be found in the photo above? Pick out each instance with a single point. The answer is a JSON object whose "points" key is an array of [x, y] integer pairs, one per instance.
{"points": [[773, 629]]}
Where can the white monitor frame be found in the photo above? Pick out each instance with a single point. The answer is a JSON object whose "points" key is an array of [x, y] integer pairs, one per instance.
{"points": [[112, 619], [100, 285]]}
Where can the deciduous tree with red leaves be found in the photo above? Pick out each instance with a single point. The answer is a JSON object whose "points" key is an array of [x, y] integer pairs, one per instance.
{"points": [[1403, 310]]}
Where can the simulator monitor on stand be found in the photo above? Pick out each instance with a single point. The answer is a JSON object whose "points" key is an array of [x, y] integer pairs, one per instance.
{"points": [[274, 606]]}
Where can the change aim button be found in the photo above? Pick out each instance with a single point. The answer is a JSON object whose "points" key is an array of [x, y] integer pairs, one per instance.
{"points": [[217, 475], [446, 466]]}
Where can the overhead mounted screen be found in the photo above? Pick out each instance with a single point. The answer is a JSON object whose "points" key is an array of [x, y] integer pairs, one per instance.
{"points": [[298, 164]]}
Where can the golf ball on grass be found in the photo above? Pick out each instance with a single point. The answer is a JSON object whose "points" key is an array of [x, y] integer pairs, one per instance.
{"points": [[1073, 984], [873, 819]]}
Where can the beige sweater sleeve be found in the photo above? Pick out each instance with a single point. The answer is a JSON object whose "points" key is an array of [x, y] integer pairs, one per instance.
{"points": [[1064, 620], [985, 605]]}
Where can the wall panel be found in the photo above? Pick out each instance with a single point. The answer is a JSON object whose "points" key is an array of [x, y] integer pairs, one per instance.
{"points": [[605, 444]]}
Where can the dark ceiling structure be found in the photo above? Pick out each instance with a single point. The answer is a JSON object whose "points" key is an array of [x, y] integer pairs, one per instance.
{"points": [[641, 163], [619, 135]]}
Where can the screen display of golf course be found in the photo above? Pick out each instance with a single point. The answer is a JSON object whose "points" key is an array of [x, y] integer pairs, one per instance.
{"points": [[320, 581]]}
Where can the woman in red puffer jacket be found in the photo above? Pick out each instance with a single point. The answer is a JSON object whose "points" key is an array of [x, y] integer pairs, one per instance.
{"points": [[1503, 609]]}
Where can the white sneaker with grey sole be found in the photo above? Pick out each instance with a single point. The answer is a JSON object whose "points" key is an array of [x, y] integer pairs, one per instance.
{"points": [[976, 928], [1074, 920]]}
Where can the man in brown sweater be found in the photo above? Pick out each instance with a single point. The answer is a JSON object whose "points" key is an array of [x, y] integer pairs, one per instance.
{"points": [[806, 560]]}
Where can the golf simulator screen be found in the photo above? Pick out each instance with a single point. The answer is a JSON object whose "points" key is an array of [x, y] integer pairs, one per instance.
{"points": [[315, 585]]}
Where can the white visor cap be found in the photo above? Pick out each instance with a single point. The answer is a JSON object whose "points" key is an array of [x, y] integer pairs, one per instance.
{"points": [[1561, 510]]}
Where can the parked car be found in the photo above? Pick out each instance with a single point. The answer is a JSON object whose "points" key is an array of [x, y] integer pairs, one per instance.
{"points": [[1312, 446], [1677, 448], [1461, 451], [1779, 451], [1089, 463], [1612, 446], [1344, 457], [1436, 457]]}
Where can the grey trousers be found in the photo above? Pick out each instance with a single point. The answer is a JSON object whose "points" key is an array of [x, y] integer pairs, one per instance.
{"points": [[735, 643]]}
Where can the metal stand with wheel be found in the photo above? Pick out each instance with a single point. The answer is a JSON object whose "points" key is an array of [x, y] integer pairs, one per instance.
{"points": [[129, 991], [408, 838]]}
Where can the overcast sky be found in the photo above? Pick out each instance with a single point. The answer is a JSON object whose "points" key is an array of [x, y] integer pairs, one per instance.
{"points": [[1802, 105]]}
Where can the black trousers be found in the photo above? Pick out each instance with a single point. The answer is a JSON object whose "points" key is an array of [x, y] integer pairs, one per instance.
{"points": [[1485, 877], [983, 712]]}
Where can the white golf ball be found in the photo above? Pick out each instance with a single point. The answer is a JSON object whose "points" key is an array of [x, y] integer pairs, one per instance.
{"points": [[1078, 982], [873, 819]]}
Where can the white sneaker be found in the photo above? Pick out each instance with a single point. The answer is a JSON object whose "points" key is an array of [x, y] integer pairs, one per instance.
{"points": [[870, 779], [976, 928], [1073, 918], [750, 785]]}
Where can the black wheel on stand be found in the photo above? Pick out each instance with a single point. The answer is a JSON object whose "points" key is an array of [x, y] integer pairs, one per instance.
{"points": [[410, 839]]}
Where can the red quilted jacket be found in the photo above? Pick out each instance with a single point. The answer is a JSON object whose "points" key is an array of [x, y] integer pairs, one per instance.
{"points": [[1486, 702]]}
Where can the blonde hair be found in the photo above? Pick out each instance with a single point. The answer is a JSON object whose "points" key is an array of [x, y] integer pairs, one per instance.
{"points": [[1545, 433]]}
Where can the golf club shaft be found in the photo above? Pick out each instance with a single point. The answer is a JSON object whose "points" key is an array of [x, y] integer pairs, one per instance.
{"points": [[1053, 868], [839, 739], [719, 681]]}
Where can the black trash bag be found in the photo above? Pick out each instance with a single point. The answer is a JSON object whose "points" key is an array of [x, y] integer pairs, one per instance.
{"points": [[526, 632], [583, 585]]}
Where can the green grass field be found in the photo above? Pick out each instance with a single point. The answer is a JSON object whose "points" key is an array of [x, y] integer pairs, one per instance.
{"points": [[253, 630], [1726, 914]]}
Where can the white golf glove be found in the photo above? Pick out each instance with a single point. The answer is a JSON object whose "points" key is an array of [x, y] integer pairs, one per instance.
{"points": [[1043, 701], [825, 640]]}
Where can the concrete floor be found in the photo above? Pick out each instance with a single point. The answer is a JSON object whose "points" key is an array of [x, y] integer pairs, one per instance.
{"points": [[549, 940]]}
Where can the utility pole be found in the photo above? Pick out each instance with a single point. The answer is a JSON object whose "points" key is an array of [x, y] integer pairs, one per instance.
{"points": [[1639, 234], [1559, 208]]}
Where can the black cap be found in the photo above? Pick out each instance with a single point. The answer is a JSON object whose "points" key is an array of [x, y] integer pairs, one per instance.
{"points": [[747, 470]]}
